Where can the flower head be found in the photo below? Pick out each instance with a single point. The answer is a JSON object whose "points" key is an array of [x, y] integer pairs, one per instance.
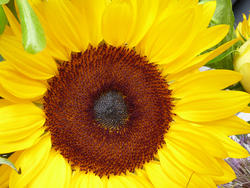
{"points": [[242, 58], [243, 28], [242, 64], [116, 98]]}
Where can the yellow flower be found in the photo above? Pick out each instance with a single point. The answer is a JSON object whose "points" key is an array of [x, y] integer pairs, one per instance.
{"points": [[243, 28], [116, 98], [242, 64], [242, 59]]}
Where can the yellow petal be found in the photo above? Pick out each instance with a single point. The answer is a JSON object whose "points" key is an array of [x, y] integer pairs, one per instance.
{"points": [[203, 41], [209, 56], [179, 176], [80, 179], [6, 95], [19, 116], [128, 180], [194, 159], [96, 181], [67, 183], [205, 82], [184, 3], [8, 147], [233, 149], [4, 102], [20, 126], [166, 8], [93, 11], [15, 26], [18, 84], [197, 138], [114, 182], [243, 28], [138, 180], [142, 177], [14, 135], [180, 172], [54, 47], [65, 25], [118, 22], [146, 10], [162, 40], [230, 126], [74, 183], [54, 173], [198, 180], [246, 110], [5, 170], [228, 173], [158, 177], [209, 38], [174, 50], [31, 162], [196, 62], [207, 13], [40, 66], [211, 106]]}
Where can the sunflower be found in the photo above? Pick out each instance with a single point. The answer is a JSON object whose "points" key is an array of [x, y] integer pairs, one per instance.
{"points": [[116, 99], [242, 58], [243, 28]]}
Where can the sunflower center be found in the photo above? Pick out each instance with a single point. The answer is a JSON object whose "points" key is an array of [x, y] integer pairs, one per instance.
{"points": [[108, 110]]}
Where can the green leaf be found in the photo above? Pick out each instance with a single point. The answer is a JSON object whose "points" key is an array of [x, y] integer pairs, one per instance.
{"points": [[2, 2], [223, 15], [32, 32], [3, 20], [5, 161]]}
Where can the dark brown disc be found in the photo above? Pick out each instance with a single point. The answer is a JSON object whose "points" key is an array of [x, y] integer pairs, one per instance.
{"points": [[108, 110]]}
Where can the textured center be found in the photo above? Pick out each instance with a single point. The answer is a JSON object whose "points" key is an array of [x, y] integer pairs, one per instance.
{"points": [[110, 110]]}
